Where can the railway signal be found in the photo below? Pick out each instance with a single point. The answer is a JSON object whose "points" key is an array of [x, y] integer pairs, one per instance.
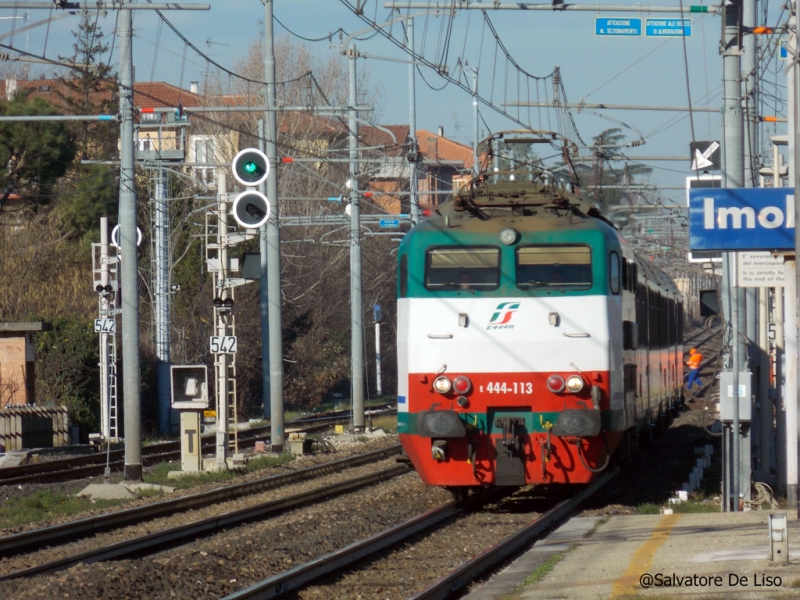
{"points": [[251, 208], [250, 167]]}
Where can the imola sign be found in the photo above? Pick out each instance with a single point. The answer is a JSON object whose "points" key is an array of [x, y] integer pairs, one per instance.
{"points": [[741, 219]]}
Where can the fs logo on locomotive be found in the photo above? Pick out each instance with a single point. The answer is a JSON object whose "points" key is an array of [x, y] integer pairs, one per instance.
{"points": [[502, 315]]}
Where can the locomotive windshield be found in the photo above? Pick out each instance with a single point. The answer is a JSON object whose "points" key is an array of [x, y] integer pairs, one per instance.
{"points": [[561, 267], [471, 268]]}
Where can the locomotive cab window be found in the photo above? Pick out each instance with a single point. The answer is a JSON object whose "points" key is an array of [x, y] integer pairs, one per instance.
{"points": [[561, 267], [471, 268]]}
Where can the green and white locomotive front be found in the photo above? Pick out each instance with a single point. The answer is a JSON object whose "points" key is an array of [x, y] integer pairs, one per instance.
{"points": [[509, 347]]}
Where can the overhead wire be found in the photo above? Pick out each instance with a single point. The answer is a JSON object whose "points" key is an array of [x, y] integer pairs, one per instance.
{"points": [[201, 53], [199, 116], [688, 87], [157, 46]]}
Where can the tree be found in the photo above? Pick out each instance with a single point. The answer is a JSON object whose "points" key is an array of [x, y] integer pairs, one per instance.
{"points": [[606, 147], [94, 195], [33, 155], [89, 191], [90, 90], [67, 371]]}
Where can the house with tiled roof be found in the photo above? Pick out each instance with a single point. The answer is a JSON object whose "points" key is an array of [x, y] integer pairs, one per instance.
{"points": [[443, 166], [448, 166], [160, 131]]}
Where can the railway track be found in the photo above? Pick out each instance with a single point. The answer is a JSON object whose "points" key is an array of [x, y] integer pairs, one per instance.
{"points": [[29, 540], [497, 521], [393, 538], [159, 540], [95, 464]]}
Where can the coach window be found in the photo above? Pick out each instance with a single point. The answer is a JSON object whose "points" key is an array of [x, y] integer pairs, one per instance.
{"points": [[468, 268], [613, 272], [403, 275], [626, 283], [560, 267]]}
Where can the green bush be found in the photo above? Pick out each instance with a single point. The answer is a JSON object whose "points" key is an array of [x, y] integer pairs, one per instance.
{"points": [[67, 370]]}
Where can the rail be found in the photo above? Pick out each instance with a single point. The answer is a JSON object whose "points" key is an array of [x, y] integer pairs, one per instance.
{"points": [[301, 575], [469, 571], [95, 464], [333, 561], [47, 535], [155, 542]]}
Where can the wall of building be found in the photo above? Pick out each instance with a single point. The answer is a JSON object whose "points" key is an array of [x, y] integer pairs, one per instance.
{"points": [[14, 358]]}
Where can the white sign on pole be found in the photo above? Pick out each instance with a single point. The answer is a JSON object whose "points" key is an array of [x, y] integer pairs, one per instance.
{"points": [[105, 326], [760, 269]]}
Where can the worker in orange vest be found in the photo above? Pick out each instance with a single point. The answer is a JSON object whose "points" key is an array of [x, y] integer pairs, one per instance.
{"points": [[693, 362]]}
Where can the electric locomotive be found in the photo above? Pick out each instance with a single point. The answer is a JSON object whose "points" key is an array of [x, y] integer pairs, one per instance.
{"points": [[533, 343]]}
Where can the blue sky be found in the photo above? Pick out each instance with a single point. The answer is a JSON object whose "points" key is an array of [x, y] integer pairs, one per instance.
{"points": [[642, 70]]}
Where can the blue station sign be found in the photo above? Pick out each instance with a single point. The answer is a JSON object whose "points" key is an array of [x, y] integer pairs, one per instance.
{"points": [[732, 219], [389, 223], [618, 26], [659, 27]]}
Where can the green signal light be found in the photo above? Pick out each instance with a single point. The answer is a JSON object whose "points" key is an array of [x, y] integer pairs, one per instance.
{"points": [[250, 167]]}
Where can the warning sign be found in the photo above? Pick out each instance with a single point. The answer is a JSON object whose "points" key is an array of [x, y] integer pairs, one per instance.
{"points": [[760, 269]]}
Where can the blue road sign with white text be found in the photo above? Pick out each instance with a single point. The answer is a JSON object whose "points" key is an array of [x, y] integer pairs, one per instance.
{"points": [[389, 223], [741, 219], [619, 26], [659, 27]]}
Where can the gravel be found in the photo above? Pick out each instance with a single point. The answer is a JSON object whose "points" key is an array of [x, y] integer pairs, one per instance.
{"points": [[342, 450], [221, 564], [664, 465], [218, 565]]}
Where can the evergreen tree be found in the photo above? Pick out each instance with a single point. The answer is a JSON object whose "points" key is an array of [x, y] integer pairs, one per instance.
{"points": [[89, 191], [604, 173], [91, 89]]}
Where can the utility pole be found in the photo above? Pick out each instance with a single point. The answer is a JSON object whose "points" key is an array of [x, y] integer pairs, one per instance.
{"points": [[220, 327], [412, 126], [476, 167], [356, 303], [377, 318], [755, 323], [733, 177], [162, 299], [129, 268], [793, 274], [273, 241], [749, 93], [263, 290]]}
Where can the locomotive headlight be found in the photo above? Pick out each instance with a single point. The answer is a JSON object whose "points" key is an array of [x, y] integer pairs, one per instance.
{"points": [[575, 383], [556, 384], [508, 235], [462, 385], [442, 384]]}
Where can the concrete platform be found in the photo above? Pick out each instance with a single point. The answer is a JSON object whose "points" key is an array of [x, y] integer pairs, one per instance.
{"points": [[139, 486], [699, 556], [13, 459], [107, 491], [370, 434]]}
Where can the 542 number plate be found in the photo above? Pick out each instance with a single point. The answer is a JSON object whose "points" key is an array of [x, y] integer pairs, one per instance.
{"points": [[223, 344], [105, 326]]}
